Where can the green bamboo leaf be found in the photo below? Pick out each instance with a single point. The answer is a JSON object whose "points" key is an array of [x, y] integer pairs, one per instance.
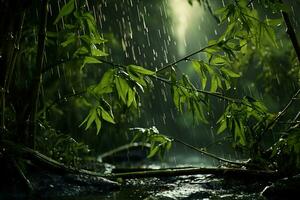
{"points": [[137, 78], [141, 70], [122, 88], [176, 97], [214, 83], [131, 97], [65, 10], [71, 39], [229, 73], [153, 152], [222, 127], [239, 133], [97, 52], [270, 32], [107, 116], [89, 60], [90, 118], [105, 85], [81, 51], [98, 125]]}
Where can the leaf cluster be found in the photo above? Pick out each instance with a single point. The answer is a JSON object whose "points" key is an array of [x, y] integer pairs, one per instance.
{"points": [[159, 142]]}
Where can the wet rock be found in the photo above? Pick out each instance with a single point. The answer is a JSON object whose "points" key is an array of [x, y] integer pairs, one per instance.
{"points": [[287, 188], [55, 185]]}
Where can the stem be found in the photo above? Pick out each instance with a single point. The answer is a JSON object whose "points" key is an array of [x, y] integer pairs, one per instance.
{"points": [[33, 105], [209, 154], [281, 113], [59, 100], [23, 176], [290, 31], [184, 58], [214, 94]]}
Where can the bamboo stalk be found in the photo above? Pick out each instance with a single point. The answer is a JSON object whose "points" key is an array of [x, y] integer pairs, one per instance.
{"points": [[36, 83]]}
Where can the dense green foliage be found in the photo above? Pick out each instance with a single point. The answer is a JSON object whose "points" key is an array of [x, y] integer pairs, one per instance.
{"points": [[252, 38]]}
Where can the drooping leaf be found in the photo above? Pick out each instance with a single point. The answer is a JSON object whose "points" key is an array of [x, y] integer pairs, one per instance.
{"points": [[97, 52], [90, 118], [65, 10], [214, 83], [105, 85], [122, 88], [89, 60], [153, 152], [223, 126], [131, 97], [107, 116], [141, 70], [71, 39], [229, 72], [98, 125]]}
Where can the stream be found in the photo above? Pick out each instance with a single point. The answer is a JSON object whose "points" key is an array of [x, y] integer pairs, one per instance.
{"points": [[182, 187]]}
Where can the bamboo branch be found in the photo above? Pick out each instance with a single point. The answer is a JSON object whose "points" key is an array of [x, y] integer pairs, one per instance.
{"points": [[184, 58], [59, 100], [281, 113], [36, 83], [210, 154]]}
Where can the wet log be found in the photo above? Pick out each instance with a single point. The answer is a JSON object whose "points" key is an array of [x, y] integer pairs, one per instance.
{"points": [[55, 172], [238, 173]]}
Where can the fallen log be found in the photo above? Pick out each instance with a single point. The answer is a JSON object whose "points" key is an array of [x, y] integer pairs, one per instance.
{"points": [[224, 172]]}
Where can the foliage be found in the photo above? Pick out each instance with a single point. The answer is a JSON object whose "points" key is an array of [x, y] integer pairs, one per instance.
{"points": [[159, 142], [74, 43], [61, 147]]}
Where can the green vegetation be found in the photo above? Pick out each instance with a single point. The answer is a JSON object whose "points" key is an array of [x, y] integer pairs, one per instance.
{"points": [[108, 92]]}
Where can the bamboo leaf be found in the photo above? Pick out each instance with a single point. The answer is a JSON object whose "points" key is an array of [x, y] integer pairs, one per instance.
{"points": [[71, 39], [96, 52], [141, 70], [222, 127], [153, 152], [229, 73], [89, 60], [131, 97], [122, 88], [98, 125], [107, 116], [214, 83], [65, 10]]}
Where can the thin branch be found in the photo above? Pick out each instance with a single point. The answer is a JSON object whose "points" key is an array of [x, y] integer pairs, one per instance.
{"points": [[214, 94], [23, 176], [281, 113], [184, 58], [209, 154], [62, 99]]}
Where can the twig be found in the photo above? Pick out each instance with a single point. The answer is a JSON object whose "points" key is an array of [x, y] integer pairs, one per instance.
{"points": [[22, 176], [281, 113], [214, 94], [184, 58], [59, 100], [209, 154]]}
